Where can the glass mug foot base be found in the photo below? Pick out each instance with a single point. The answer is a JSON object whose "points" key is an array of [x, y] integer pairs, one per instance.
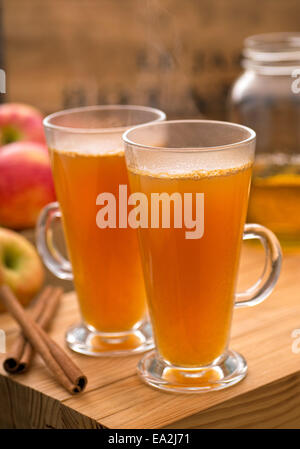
{"points": [[86, 340], [227, 370]]}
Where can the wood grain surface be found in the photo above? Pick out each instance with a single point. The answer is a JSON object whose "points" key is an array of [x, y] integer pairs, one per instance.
{"points": [[116, 398]]}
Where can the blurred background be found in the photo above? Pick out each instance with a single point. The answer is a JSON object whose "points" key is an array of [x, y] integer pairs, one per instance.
{"points": [[180, 56]]}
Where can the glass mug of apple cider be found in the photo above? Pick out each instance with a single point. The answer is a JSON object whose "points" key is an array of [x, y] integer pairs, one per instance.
{"points": [[201, 170], [87, 159]]}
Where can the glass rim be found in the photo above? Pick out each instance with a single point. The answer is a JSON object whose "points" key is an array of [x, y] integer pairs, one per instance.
{"points": [[47, 120], [249, 139]]}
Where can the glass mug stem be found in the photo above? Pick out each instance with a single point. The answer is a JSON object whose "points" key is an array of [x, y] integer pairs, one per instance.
{"points": [[83, 337], [230, 367]]}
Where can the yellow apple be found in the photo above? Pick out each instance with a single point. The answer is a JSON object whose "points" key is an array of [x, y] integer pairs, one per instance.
{"points": [[20, 266], [20, 122]]}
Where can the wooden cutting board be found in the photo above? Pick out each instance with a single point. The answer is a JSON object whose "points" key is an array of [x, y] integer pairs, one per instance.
{"points": [[116, 398]]}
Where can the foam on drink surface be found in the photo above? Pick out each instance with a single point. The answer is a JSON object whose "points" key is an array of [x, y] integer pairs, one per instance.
{"points": [[157, 163], [94, 154], [87, 145], [192, 167], [195, 174]]}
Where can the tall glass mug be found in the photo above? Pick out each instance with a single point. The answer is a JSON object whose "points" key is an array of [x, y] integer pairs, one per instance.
{"points": [[192, 180], [87, 159]]}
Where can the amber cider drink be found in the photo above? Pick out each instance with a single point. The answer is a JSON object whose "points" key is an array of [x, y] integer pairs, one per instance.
{"points": [[190, 283], [275, 196], [105, 262]]}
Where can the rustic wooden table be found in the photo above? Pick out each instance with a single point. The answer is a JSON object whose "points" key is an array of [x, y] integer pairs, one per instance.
{"points": [[116, 398]]}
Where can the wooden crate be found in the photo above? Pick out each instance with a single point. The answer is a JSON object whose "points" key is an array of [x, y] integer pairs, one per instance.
{"points": [[181, 56], [116, 398]]}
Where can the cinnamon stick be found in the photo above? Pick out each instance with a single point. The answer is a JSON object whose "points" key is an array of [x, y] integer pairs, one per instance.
{"points": [[42, 311], [63, 368]]}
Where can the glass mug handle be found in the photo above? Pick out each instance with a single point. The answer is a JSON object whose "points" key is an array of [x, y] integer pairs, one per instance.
{"points": [[52, 258], [258, 292]]}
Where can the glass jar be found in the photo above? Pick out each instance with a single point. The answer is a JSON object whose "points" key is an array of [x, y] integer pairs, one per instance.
{"points": [[266, 97]]}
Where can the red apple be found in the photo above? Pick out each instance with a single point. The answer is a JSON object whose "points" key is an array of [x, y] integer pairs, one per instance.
{"points": [[20, 266], [20, 122], [26, 183]]}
